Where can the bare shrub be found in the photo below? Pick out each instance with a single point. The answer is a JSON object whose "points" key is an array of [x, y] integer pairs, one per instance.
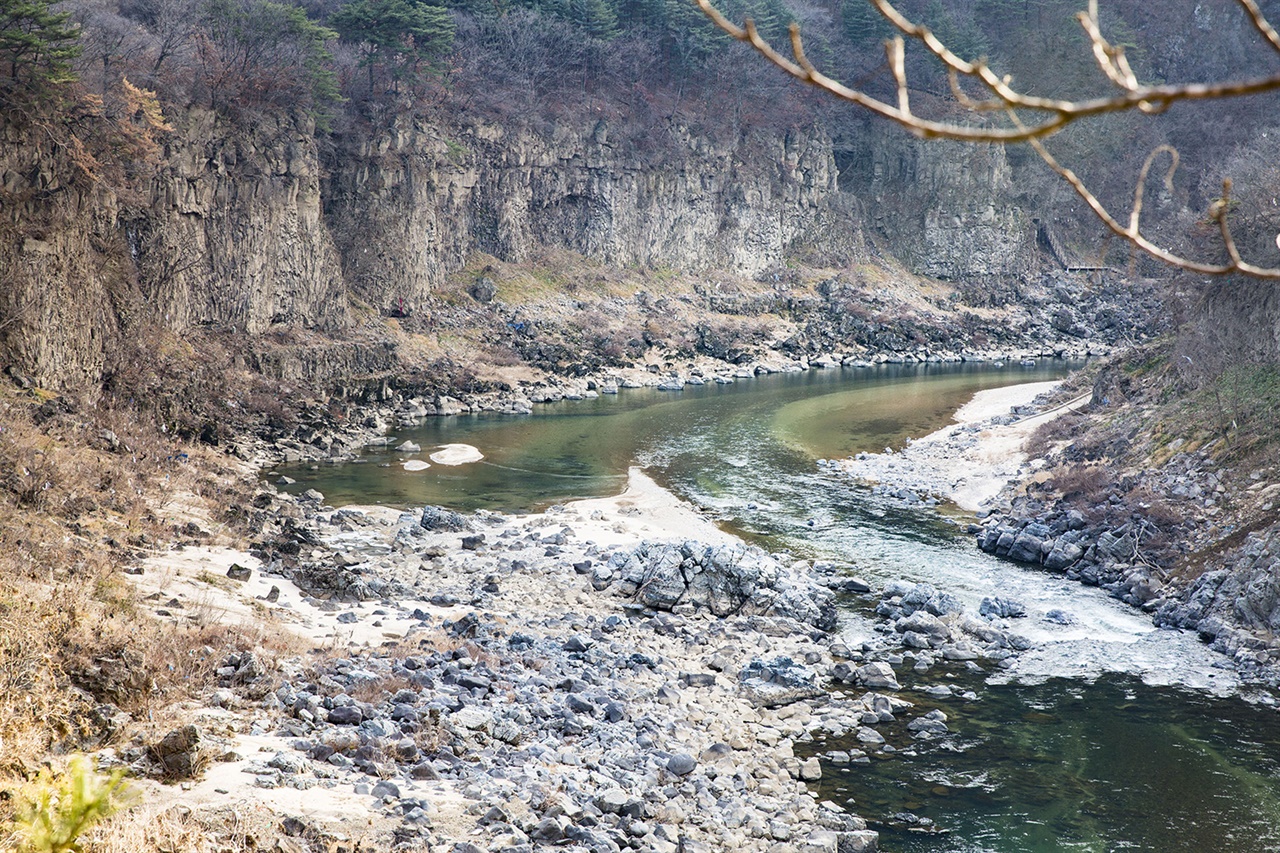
{"points": [[1090, 482]]}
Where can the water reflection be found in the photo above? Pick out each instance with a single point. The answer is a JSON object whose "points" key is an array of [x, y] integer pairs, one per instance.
{"points": [[576, 449]]}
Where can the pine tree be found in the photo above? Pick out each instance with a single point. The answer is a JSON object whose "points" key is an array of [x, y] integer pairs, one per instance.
{"points": [[863, 25], [401, 38], [36, 45]]}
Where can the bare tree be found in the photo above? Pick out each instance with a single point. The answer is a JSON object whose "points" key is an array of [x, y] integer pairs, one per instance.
{"points": [[1032, 119]]}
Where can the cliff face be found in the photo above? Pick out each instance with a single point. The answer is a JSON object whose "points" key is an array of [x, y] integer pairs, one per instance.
{"points": [[409, 204], [250, 228], [232, 234], [64, 274], [942, 208]]}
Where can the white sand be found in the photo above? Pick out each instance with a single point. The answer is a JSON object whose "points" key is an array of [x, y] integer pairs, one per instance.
{"points": [[456, 454], [969, 462], [644, 511]]}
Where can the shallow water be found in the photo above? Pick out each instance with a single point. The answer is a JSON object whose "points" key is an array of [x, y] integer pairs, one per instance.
{"points": [[582, 448], [1090, 749]]}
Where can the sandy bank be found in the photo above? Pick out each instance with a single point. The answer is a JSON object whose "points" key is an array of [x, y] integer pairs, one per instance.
{"points": [[969, 462]]}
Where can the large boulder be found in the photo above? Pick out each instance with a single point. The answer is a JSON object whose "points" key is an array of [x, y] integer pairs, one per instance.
{"points": [[725, 579], [437, 518], [877, 676], [779, 681]]}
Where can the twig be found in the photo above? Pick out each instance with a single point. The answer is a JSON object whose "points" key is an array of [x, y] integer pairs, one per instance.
{"points": [[1051, 115]]}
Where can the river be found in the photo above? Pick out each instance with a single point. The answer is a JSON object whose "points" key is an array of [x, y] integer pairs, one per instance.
{"points": [[1108, 735]]}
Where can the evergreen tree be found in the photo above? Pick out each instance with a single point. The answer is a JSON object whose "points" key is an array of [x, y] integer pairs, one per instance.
{"points": [[863, 24], [399, 38], [595, 17], [36, 44]]}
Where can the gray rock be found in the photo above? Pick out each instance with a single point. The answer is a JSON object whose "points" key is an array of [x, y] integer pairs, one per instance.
{"points": [[346, 715], [179, 753], [777, 682], [923, 622], [238, 572], [483, 290], [436, 518], [386, 789], [681, 764], [1002, 608], [877, 676], [578, 643]]}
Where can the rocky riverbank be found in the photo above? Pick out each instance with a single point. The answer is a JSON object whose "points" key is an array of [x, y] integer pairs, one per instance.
{"points": [[501, 683], [1184, 540], [1160, 541], [610, 674]]}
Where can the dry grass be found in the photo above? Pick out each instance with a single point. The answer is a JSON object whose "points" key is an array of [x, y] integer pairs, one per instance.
{"points": [[177, 830], [1092, 483], [76, 507]]}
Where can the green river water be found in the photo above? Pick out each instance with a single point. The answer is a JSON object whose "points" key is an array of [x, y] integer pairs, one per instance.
{"points": [[1098, 749]]}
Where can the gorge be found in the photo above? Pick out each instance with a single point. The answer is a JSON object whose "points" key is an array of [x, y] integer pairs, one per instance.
{"points": [[227, 300]]}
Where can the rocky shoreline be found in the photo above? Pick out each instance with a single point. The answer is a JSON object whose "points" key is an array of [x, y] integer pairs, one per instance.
{"points": [[1128, 547], [1133, 556], [969, 463], [589, 678]]}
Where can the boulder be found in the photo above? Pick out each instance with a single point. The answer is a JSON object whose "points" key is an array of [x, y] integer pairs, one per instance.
{"points": [[726, 580], [877, 676], [178, 753], [437, 518], [1002, 608], [483, 290], [780, 681]]}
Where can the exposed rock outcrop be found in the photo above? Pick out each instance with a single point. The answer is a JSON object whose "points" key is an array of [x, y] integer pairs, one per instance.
{"points": [[255, 229], [410, 203]]}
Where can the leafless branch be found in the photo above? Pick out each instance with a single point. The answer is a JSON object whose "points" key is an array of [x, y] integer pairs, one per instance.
{"points": [[1033, 119]]}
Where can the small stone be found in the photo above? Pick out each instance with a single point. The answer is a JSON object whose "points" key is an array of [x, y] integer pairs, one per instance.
{"points": [[386, 789], [238, 572]]}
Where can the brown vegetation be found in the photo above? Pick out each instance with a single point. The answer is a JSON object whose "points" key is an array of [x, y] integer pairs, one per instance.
{"points": [[78, 505]]}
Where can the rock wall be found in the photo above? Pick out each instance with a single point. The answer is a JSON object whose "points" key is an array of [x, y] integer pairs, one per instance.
{"points": [[409, 204], [945, 209], [64, 272], [232, 234], [268, 226]]}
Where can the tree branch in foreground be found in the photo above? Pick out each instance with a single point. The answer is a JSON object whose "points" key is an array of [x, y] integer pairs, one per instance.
{"points": [[1047, 115]]}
